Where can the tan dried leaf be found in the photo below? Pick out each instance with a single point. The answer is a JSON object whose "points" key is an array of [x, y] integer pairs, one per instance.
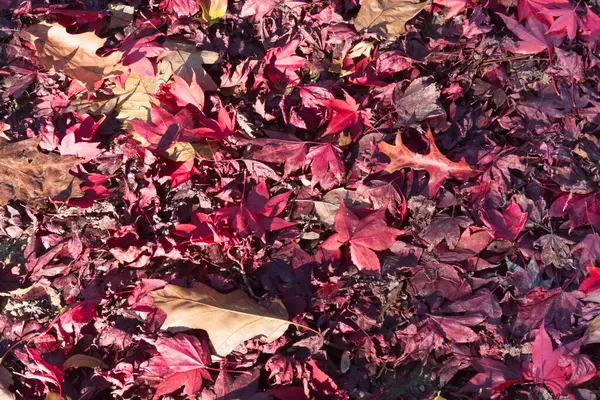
{"points": [[387, 17], [73, 54], [184, 151], [229, 319], [82, 360], [133, 101], [185, 60], [329, 206], [31, 176], [592, 335]]}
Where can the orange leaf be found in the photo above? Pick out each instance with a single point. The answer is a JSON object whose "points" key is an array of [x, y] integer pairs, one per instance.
{"points": [[435, 163]]}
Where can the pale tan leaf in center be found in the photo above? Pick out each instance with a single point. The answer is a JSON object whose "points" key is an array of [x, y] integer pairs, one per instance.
{"points": [[229, 319], [185, 60], [387, 17]]}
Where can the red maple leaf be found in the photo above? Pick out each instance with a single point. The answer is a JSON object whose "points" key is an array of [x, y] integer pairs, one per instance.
{"points": [[505, 225], [581, 209], [257, 214], [532, 35], [536, 8], [43, 371], [221, 128], [592, 281], [591, 23], [181, 8], [166, 129], [200, 230], [589, 250], [290, 153], [180, 94], [544, 367], [179, 361], [365, 236], [282, 63], [137, 52], [344, 114], [567, 24], [326, 165]]}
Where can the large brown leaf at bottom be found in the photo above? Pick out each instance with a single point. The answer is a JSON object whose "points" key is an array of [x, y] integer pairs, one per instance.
{"points": [[229, 319], [31, 176], [73, 54], [387, 17]]}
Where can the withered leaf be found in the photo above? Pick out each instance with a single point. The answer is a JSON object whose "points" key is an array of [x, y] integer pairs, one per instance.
{"points": [[555, 250], [133, 101], [418, 102], [435, 163], [73, 54], [31, 176], [387, 17], [186, 61], [82, 360], [229, 319]]}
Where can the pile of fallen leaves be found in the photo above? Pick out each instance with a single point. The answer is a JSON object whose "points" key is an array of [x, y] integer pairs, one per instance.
{"points": [[267, 199]]}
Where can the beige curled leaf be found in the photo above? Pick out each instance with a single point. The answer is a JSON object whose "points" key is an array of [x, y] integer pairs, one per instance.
{"points": [[387, 17], [31, 176], [73, 54], [229, 319]]}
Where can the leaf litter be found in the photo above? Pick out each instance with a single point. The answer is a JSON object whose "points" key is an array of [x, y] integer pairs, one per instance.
{"points": [[367, 199]]}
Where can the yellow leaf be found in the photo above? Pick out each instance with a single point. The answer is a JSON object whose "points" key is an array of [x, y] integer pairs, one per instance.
{"points": [[73, 54], [387, 17], [213, 10], [229, 319]]}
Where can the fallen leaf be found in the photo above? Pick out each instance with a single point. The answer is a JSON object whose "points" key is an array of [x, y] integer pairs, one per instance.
{"points": [[185, 60], [435, 163], [135, 99], [592, 282], [31, 176], [418, 102], [505, 225], [387, 17], [229, 319], [73, 54], [365, 236], [213, 10], [82, 360], [172, 136], [544, 367], [329, 206], [180, 361]]}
